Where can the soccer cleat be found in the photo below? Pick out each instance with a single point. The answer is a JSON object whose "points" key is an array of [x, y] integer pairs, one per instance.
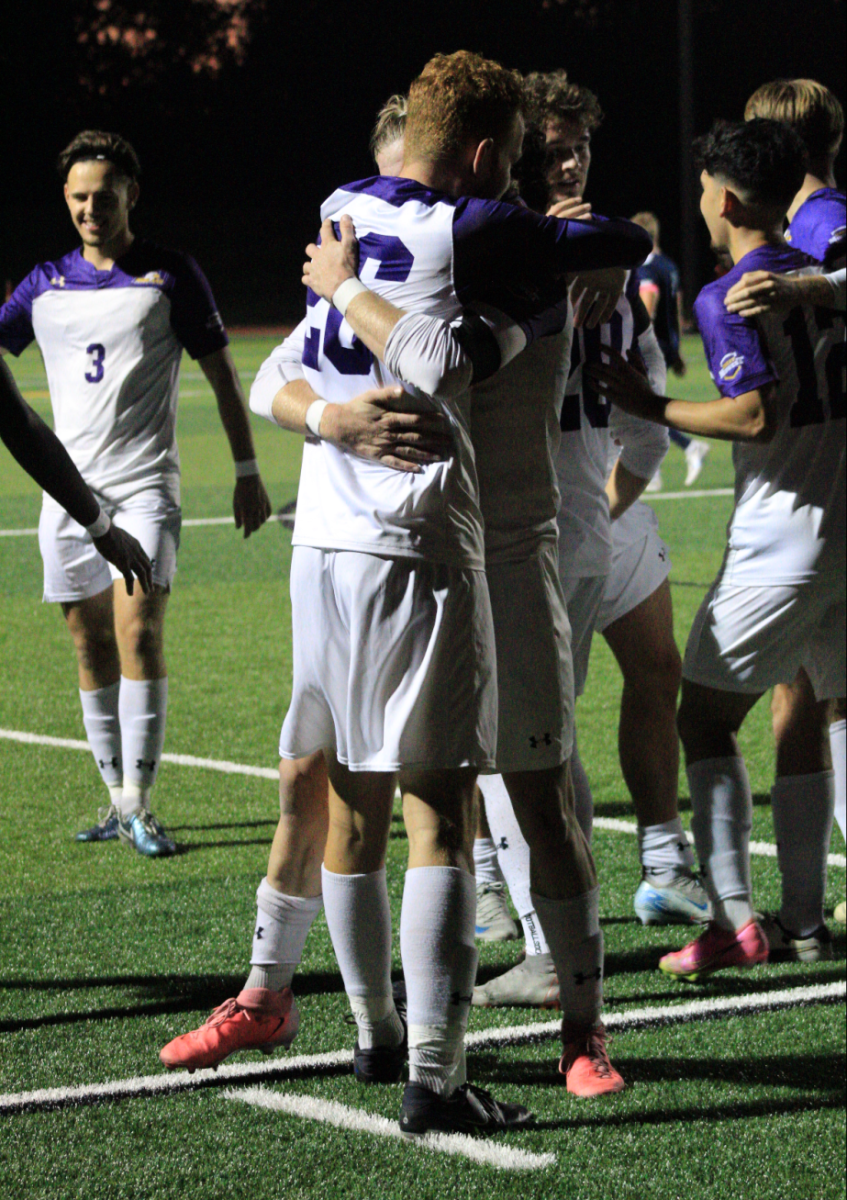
{"points": [[532, 982], [784, 946], [585, 1062], [695, 456], [142, 830], [468, 1110], [671, 898], [106, 828], [716, 949], [384, 1064], [257, 1019], [840, 913], [493, 920], [654, 484]]}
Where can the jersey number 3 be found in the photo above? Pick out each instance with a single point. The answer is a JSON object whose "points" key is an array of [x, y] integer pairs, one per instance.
{"points": [[98, 356]]}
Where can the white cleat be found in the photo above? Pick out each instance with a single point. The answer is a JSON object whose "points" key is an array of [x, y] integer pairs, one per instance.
{"points": [[494, 922], [784, 946], [533, 983], [672, 898], [655, 484], [695, 456]]}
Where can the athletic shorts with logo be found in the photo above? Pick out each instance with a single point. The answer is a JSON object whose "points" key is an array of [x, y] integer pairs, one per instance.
{"points": [[640, 564], [394, 663]]}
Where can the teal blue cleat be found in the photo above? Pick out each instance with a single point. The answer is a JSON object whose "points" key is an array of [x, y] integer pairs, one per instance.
{"points": [[106, 828], [146, 834]]}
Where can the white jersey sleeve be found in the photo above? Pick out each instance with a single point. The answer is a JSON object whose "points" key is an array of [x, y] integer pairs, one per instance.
{"points": [[284, 365]]}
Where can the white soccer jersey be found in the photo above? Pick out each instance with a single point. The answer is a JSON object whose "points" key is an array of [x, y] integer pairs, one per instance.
{"points": [[426, 252], [111, 343], [789, 519]]}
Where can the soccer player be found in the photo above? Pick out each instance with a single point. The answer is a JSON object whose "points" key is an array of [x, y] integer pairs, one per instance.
{"points": [[659, 288], [778, 602], [35, 446], [111, 319]]}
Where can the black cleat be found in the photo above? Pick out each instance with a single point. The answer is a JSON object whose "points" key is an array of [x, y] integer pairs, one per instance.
{"points": [[106, 829], [384, 1064], [468, 1110]]}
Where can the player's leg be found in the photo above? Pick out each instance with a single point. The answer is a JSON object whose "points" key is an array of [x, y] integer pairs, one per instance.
{"points": [[643, 644], [838, 749], [494, 922]]}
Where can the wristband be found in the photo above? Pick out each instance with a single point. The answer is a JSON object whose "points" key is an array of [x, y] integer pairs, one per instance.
{"points": [[247, 466], [345, 292], [100, 527], [313, 416]]}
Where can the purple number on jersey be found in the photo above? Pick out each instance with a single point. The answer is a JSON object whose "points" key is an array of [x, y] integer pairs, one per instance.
{"points": [[98, 354]]}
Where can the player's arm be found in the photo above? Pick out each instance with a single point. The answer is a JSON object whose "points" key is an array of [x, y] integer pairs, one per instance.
{"points": [[648, 290], [36, 448], [760, 292], [250, 503], [644, 444], [749, 417]]}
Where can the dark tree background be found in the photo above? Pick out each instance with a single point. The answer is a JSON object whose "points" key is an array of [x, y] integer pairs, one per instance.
{"points": [[246, 113]]}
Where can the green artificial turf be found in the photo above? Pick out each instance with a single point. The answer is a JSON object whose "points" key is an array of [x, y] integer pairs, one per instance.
{"points": [[105, 956]]}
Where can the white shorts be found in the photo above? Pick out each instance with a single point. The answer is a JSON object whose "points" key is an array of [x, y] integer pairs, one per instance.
{"points": [[73, 568], [746, 639], [640, 564], [583, 598], [534, 666], [394, 663]]}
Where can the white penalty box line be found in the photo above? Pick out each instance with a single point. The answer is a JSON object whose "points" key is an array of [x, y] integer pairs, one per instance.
{"points": [[611, 824]]}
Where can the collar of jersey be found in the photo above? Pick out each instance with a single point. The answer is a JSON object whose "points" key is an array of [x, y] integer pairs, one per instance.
{"points": [[397, 191]]}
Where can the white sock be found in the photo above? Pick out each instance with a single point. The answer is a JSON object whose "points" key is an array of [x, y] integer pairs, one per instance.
{"points": [[143, 713], [439, 963], [103, 730], [576, 943], [721, 824], [536, 942], [511, 846], [359, 921], [802, 807], [282, 926], [665, 848], [485, 864], [838, 747], [583, 799]]}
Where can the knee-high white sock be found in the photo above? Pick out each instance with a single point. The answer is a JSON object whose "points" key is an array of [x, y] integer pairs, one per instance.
{"points": [[576, 943], [486, 868], [359, 921], [143, 708], [838, 746], [802, 807], [282, 926], [103, 730], [664, 848], [583, 799], [512, 849], [721, 824], [439, 964]]}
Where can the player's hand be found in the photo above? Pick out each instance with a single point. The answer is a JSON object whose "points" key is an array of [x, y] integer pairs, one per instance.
{"points": [[595, 296], [377, 425], [760, 292], [625, 384], [334, 260], [572, 209], [122, 550], [251, 505]]}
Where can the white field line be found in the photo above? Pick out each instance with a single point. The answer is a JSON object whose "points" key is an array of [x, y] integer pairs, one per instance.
{"points": [[613, 824], [250, 1072], [492, 1154], [650, 497]]}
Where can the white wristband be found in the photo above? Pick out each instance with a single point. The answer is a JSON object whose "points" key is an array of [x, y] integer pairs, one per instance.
{"points": [[247, 466], [345, 292], [100, 527], [313, 416]]}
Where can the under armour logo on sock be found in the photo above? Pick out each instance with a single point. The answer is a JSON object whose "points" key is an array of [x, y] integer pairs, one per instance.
{"points": [[151, 765], [535, 742], [580, 978], [109, 762], [458, 998], [503, 844], [260, 929], [663, 555]]}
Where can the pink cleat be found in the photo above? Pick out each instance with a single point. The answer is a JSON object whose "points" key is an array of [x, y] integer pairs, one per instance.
{"points": [[257, 1019], [585, 1062], [716, 949]]}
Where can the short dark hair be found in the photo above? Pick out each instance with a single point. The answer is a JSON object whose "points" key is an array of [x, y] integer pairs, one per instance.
{"points": [[93, 144], [551, 96], [766, 160]]}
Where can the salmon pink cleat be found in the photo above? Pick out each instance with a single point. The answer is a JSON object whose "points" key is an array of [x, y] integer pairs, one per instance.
{"points": [[585, 1062], [257, 1019], [716, 949]]}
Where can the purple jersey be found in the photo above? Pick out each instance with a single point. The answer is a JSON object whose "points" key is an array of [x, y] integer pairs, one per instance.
{"points": [[819, 227], [789, 518]]}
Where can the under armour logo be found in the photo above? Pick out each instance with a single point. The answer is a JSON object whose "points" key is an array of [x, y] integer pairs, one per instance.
{"points": [[108, 762], [663, 554], [535, 742], [458, 998], [151, 765], [260, 929], [580, 978], [503, 844]]}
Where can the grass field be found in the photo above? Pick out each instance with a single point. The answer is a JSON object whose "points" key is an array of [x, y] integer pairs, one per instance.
{"points": [[105, 956]]}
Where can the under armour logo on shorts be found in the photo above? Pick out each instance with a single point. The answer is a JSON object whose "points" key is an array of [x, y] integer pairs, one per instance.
{"points": [[535, 742]]}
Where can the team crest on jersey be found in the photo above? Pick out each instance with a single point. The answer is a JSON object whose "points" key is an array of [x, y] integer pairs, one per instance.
{"points": [[151, 277], [730, 366], [838, 235], [57, 281]]}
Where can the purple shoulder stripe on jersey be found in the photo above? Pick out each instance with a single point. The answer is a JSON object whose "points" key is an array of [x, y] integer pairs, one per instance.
{"points": [[819, 227], [396, 191], [66, 274], [735, 353]]}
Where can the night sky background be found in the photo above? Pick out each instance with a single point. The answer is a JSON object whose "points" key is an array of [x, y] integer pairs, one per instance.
{"points": [[247, 114]]}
